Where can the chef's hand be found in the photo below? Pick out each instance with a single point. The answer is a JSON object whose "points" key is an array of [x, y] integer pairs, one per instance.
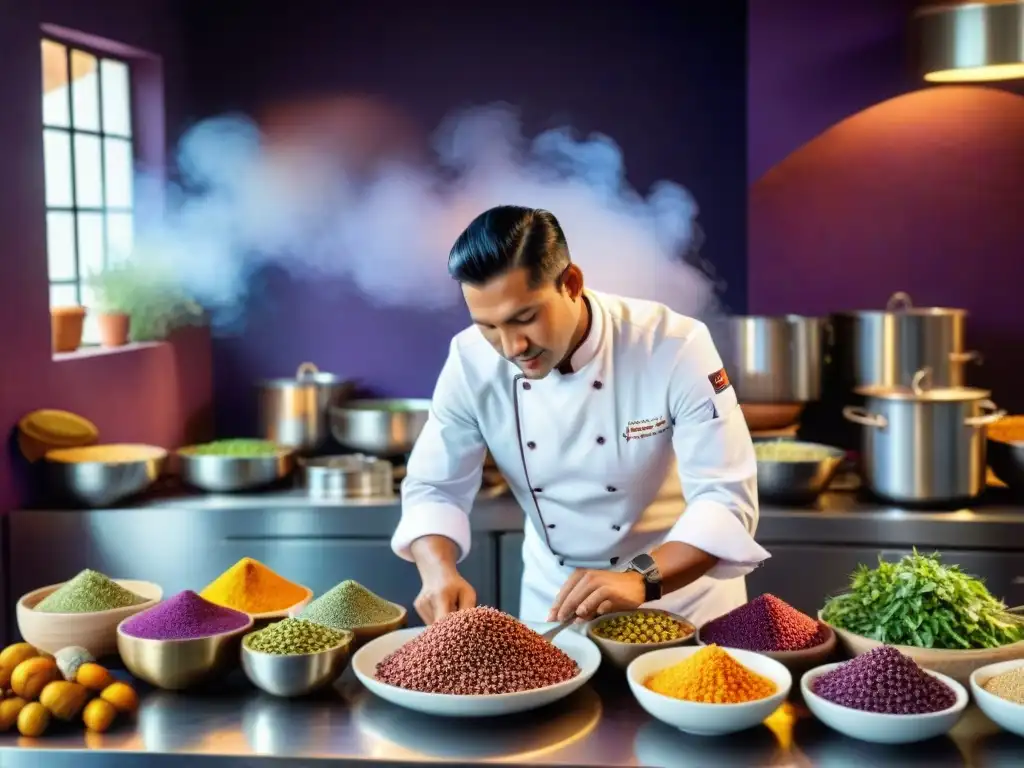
{"points": [[443, 592], [586, 594]]}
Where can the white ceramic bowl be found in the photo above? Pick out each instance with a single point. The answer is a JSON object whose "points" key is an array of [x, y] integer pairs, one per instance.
{"points": [[880, 728], [706, 719], [1006, 714], [96, 632], [364, 664]]}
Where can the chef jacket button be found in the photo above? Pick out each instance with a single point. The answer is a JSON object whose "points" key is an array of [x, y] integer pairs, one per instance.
{"points": [[598, 385], [538, 490], [551, 525], [611, 489], [614, 560], [561, 561], [616, 527], [531, 445], [600, 440], [526, 385]]}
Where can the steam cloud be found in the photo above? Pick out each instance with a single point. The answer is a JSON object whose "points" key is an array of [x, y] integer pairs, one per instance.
{"points": [[241, 206]]}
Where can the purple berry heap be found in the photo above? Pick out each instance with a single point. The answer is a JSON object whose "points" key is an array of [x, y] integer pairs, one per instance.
{"points": [[766, 623], [884, 681]]}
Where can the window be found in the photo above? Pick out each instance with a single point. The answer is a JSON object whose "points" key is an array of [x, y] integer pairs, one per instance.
{"points": [[89, 159]]}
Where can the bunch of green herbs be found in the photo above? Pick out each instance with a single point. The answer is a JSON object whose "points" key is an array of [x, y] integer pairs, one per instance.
{"points": [[920, 602]]}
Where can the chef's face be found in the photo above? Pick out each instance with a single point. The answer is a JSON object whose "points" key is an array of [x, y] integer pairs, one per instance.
{"points": [[532, 327]]}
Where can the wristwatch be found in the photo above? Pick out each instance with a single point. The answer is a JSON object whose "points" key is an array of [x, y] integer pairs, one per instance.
{"points": [[646, 567]]}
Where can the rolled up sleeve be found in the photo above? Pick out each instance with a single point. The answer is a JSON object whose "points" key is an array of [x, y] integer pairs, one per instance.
{"points": [[717, 465], [445, 468]]}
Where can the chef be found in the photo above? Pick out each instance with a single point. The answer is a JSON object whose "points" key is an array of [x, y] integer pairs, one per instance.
{"points": [[591, 406]]}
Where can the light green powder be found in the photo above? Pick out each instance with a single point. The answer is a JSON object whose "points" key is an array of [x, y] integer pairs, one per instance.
{"points": [[349, 605], [88, 592], [294, 636]]}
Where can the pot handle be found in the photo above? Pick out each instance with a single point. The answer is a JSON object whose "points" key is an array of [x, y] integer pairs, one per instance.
{"points": [[967, 357], [865, 419], [995, 413], [306, 370], [899, 301]]}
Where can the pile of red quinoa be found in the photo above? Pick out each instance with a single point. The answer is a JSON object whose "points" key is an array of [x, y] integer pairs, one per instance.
{"points": [[766, 623], [477, 651], [884, 680]]}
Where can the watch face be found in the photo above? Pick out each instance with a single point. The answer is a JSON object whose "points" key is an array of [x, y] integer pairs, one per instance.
{"points": [[643, 563]]}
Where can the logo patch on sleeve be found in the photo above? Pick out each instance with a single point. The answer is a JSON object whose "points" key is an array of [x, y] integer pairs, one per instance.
{"points": [[719, 381]]}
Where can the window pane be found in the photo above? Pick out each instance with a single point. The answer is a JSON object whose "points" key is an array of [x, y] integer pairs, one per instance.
{"points": [[88, 171], [90, 244], [60, 245], [117, 112], [120, 236], [55, 80], [119, 172], [85, 91], [63, 296], [57, 160]]}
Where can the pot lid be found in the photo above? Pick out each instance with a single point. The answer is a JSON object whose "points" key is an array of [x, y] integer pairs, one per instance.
{"points": [[921, 390], [900, 303], [307, 373]]}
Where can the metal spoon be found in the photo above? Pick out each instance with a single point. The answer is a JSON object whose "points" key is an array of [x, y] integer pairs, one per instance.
{"points": [[551, 633]]}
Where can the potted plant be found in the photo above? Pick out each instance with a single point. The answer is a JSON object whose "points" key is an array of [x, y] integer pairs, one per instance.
{"points": [[140, 301], [66, 325]]}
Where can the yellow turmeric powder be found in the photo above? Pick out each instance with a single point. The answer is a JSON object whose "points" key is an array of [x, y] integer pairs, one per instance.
{"points": [[711, 676], [251, 587]]}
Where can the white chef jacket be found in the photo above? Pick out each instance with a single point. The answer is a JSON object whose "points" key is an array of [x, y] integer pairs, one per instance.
{"points": [[596, 458]]}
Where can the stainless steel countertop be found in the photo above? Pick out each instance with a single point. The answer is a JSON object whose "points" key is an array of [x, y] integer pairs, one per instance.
{"points": [[840, 518], [600, 725]]}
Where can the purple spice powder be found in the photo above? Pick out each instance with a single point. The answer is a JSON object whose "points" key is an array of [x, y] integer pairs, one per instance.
{"points": [[766, 623], [884, 681], [185, 616]]}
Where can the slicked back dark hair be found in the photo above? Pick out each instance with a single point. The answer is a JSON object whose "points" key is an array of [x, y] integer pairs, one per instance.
{"points": [[509, 237]]}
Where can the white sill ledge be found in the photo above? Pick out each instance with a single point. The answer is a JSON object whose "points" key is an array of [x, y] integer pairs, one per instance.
{"points": [[84, 353]]}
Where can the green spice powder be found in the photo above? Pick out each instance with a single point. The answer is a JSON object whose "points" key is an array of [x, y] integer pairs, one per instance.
{"points": [[88, 592], [348, 605], [294, 636]]}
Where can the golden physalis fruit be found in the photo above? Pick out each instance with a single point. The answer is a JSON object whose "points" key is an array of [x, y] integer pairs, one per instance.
{"points": [[64, 700], [99, 715], [122, 696], [11, 657], [93, 676], [33, 720], [32, 675]]}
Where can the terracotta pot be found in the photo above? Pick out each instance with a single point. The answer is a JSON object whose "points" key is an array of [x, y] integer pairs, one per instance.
{"points": [[66, 328], [113, 329]]}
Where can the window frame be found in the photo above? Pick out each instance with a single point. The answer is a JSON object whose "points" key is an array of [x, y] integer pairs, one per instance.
{"points": [[70, 45]]}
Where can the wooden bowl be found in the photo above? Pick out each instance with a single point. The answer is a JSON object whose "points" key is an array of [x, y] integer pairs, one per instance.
{"points": [[959, 665], [798, 662], [96, 632], [364, 634], [622, 654]]}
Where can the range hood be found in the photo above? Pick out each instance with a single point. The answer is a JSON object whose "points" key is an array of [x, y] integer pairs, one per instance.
{"points": [[970, 42]]}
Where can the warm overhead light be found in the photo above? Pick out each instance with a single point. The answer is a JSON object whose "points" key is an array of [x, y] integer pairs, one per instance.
{"points": [[965, 42]]}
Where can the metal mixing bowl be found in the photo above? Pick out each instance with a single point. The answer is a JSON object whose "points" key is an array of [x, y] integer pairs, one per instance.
{"points": [[798, 482], [101, 483], [379, 427], [224, 474], [296, 674], [176, 665]]}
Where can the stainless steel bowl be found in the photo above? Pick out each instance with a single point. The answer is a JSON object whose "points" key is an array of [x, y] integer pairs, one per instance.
{"points": [[224, 474], [798, 482], [379, 427], [177, 665], [298, 674], [346, 477], [1007, 462], [101, 483]]}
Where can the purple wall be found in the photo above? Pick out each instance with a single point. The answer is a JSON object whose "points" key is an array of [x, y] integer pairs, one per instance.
{"points": [[148, 395], [664, 81], [918, 193]]}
